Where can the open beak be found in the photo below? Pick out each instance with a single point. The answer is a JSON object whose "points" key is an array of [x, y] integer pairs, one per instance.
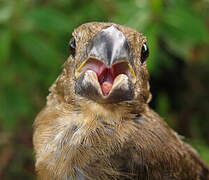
{"points": [[109, 56]]}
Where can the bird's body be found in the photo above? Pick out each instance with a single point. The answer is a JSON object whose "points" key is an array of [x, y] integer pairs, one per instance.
{"points": [[84, 133]]}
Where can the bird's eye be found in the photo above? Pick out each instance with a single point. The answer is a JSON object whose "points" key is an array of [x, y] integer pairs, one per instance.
{"points": [[72, 46], [144, 52]]}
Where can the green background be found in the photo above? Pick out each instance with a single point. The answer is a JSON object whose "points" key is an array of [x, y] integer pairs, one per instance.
{"points": [[34, 36]]}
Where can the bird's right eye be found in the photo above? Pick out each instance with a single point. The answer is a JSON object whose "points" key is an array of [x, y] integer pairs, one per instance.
{"points": [[72, 47], [144, 52]]}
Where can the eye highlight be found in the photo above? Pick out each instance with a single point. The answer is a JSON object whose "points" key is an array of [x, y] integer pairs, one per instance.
{"points": [[72, 47], [144, 52]]}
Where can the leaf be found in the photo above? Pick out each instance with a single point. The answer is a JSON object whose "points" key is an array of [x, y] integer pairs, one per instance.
{"points": [[156, 7], [6, 9], [5, 42], [11, 112], [151, 32], [185, 26], [49, 20], [163, 105], [182, 29], [202, 148], [39, 50], [135, 16]]}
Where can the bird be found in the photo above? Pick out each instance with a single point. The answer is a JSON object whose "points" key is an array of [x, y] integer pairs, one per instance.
{"points": [[97, 123]]}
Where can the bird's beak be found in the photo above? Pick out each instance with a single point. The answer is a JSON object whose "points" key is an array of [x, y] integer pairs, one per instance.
{"points": [[110, 46], [109, 55]]}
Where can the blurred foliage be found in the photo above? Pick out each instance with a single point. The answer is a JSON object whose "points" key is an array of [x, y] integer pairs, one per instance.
{"points": [[34, 35]]}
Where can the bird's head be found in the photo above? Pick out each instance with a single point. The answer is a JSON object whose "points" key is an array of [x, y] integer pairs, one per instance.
{"points": [[108, 63]]}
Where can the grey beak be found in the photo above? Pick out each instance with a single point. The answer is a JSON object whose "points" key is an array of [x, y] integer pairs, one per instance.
{"points": [[110, 46]]}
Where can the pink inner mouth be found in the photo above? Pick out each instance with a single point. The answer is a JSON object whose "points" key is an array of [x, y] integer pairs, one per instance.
{"points": [[106, 75]]}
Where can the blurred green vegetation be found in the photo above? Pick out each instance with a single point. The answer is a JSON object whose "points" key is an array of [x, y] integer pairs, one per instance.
{"points": [[34, 36]]}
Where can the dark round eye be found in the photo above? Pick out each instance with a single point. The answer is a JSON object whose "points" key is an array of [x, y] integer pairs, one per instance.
{"points": [[72, 46], [144, 52]]}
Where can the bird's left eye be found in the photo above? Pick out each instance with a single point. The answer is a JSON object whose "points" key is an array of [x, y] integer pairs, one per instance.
{"points": [[144, 52], [72, 46]]}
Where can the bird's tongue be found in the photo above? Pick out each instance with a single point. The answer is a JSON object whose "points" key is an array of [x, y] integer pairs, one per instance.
{"points": [[106, 81], [106, 87]]}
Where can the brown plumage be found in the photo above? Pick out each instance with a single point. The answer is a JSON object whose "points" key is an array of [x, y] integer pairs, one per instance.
{"points": [[97, 123]]}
